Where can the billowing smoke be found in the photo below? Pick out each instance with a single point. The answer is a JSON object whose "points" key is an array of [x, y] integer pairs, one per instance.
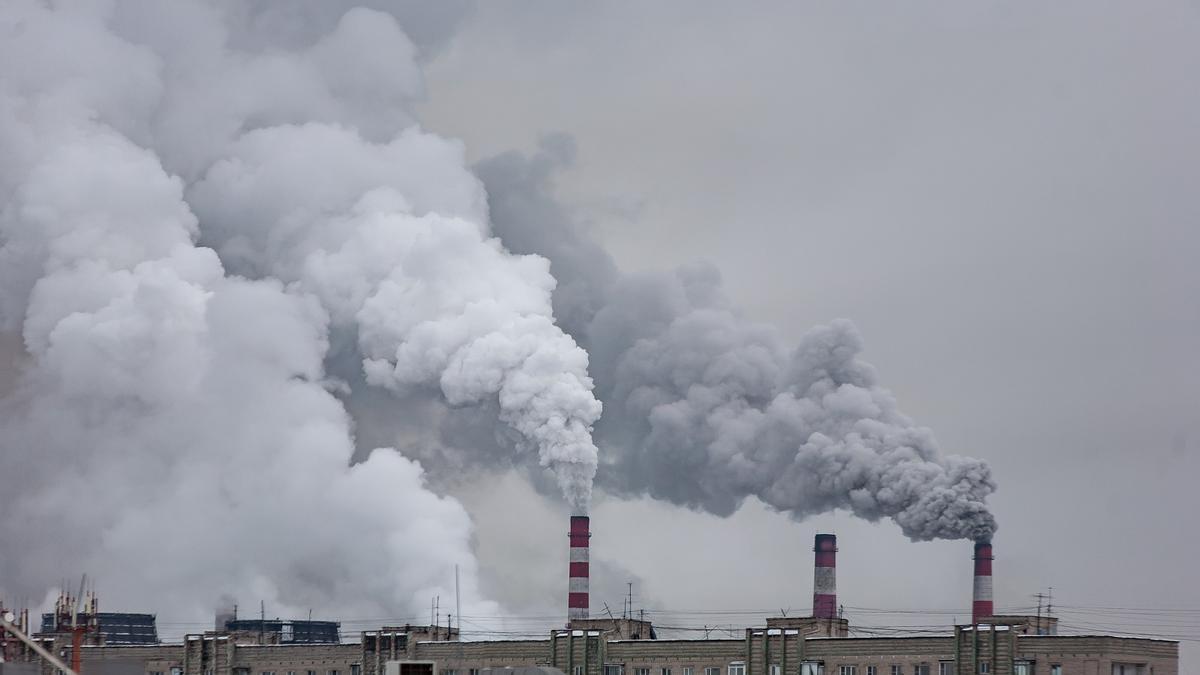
{"points": [[200, 213], [239, 270], [704, 408]]}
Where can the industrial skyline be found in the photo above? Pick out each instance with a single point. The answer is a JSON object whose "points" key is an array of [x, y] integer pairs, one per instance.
{"points": [[354, 307]]}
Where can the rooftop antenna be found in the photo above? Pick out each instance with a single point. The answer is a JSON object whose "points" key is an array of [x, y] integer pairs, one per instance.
{"points": [[75, 608], [457, 604], [609, 611]]}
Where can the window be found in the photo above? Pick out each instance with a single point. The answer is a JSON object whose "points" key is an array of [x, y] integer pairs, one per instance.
{"points": [[984, 667], [848, 670], [1127, 669], [355, 669], [473, 671], [664, 671], [1022, 668], [577, 670], [871, 670], [641, 671], [812, 668], [897, 670], [614, 669], [712, 671], [1055, 669], [450, 671], [737, 668], [775, 670], [689, 671], [921, 669], [291, 672], [946, 668], [310, 672], [268, 672], [176, 670], [333, 672]]}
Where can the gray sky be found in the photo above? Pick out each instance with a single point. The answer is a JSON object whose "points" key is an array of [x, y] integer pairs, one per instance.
{"points": [[1000, 196]]}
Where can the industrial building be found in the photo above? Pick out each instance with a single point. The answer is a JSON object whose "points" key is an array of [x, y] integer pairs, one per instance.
{"points": [[819, 644]]}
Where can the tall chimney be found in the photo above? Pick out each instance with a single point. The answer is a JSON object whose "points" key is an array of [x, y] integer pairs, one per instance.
{"points": [[825, 576], [577, 589], [981, 605]]}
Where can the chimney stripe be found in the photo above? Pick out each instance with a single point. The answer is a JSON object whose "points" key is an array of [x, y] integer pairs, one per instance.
{"points": [[825, 576], [578, 568], [982, 605]]}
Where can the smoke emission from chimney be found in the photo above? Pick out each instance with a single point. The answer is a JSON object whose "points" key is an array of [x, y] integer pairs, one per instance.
{"points": [[216, 230], [705, 408]]}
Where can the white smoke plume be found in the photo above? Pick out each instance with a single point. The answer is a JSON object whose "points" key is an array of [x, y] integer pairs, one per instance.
{"points": [[199, 212], [704, 408], [221, 230]]}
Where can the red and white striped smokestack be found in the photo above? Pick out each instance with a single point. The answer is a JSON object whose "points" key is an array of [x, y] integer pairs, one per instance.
{"points": [[981, 601], [825, 576], [577, 589]]}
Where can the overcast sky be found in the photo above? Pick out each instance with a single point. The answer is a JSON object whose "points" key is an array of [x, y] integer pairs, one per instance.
{"points": [[1002, 196]]}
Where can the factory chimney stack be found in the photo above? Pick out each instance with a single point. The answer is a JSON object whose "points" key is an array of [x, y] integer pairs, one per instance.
{"points": [[981, 605], [825, 576], [577, 589]]}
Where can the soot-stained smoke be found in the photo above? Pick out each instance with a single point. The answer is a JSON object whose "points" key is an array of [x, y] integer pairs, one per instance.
{"points": [[705, 408]]}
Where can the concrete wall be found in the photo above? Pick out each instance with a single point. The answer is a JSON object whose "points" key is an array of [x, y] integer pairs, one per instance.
{"points": [[590, 651], [1081, 655]]}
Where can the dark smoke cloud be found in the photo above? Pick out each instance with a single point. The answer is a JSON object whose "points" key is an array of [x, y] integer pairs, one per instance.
{"points": [[705, 408]]}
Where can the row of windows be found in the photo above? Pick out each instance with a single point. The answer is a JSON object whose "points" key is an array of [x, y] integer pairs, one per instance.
{"points": [[817, 668], [355, 669], [736, 668]]}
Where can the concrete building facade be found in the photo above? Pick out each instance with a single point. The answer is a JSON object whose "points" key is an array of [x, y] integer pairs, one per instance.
{"points": [[609, 647]]}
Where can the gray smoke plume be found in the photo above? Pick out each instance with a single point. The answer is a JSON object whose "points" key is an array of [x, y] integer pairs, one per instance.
{"points": [[240, 270], [704, 408], [201, 208]]}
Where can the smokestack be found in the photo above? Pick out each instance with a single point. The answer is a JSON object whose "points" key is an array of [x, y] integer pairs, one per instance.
{"points": [[825, 576], [577, 590], [981, 605]]}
